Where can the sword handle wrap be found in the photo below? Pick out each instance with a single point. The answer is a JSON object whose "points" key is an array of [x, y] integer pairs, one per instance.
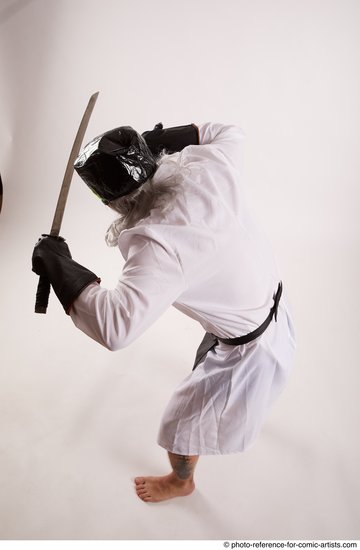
{"points": [[42, 295]]}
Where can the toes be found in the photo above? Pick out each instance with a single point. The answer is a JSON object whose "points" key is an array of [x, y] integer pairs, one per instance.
{"points": [[139, 480], [146, 497], [141, 489]]}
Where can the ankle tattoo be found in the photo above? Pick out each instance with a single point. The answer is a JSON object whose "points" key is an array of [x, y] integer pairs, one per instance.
{"points": [[183, 467]]}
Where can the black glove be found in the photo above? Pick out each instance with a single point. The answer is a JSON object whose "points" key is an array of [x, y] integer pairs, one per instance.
{"points": [[171, 139], [52, 259]]}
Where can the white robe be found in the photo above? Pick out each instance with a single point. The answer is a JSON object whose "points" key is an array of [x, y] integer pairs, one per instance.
{"points": [[206, 257]]}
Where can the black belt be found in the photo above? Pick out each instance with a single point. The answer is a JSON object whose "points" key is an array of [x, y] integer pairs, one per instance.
{"points": [[257, 332], [210, 340]]}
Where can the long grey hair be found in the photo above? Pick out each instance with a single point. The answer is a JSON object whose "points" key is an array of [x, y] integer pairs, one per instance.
{"points": [[156, 192]]}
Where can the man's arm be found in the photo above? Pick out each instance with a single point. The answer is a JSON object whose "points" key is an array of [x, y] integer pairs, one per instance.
{"points": [[225, 141], [151, 281], [219, 134], [172, 139]]}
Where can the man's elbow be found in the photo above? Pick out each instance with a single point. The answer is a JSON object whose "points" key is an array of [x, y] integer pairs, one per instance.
{"points": [[113, 343], [112, 346]]}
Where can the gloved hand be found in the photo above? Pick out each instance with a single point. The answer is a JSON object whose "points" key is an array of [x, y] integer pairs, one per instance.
{"points": [[45, 247], [52, 259], [171, 139]]}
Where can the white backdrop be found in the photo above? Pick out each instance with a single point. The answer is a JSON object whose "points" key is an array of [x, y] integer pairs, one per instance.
{"points": [[77, 422]]}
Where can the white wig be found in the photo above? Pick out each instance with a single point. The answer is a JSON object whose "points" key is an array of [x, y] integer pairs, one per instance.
{"points": [[154, 193]]}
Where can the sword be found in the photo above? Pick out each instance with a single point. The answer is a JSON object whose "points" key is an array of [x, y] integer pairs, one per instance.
{"points": [[1, 193], [43, 289]]}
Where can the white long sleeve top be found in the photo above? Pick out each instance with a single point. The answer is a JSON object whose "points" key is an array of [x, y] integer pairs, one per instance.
{"points": [[205, 255]]}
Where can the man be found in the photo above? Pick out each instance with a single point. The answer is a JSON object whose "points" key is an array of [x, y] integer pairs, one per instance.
{"points": [[188, 240]]}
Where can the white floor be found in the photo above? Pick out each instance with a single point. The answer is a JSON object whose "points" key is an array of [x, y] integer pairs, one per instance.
{"points": [[78, 423], [75, 434]]}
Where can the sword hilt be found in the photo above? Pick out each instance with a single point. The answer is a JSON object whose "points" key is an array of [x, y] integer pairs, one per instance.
{"points": [[42, 294]]}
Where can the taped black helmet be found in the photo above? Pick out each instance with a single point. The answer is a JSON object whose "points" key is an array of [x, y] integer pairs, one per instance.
{"points": [[115, 163]]}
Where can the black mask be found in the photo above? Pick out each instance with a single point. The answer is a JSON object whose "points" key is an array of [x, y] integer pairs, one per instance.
{"points": [[115, 163]]}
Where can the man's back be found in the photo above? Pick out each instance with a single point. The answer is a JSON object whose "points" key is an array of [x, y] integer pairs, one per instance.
{"points": [[229, 272], [203, 254]]}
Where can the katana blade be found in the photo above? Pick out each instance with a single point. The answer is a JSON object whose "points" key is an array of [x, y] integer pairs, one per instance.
{"points": [[43, 289], [64, 190]]}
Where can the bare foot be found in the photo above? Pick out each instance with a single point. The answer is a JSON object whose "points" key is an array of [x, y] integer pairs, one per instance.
{"points": [[156, 489]]}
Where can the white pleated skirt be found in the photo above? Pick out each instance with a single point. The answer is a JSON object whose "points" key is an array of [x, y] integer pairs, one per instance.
{"points": [[222, 405]]}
